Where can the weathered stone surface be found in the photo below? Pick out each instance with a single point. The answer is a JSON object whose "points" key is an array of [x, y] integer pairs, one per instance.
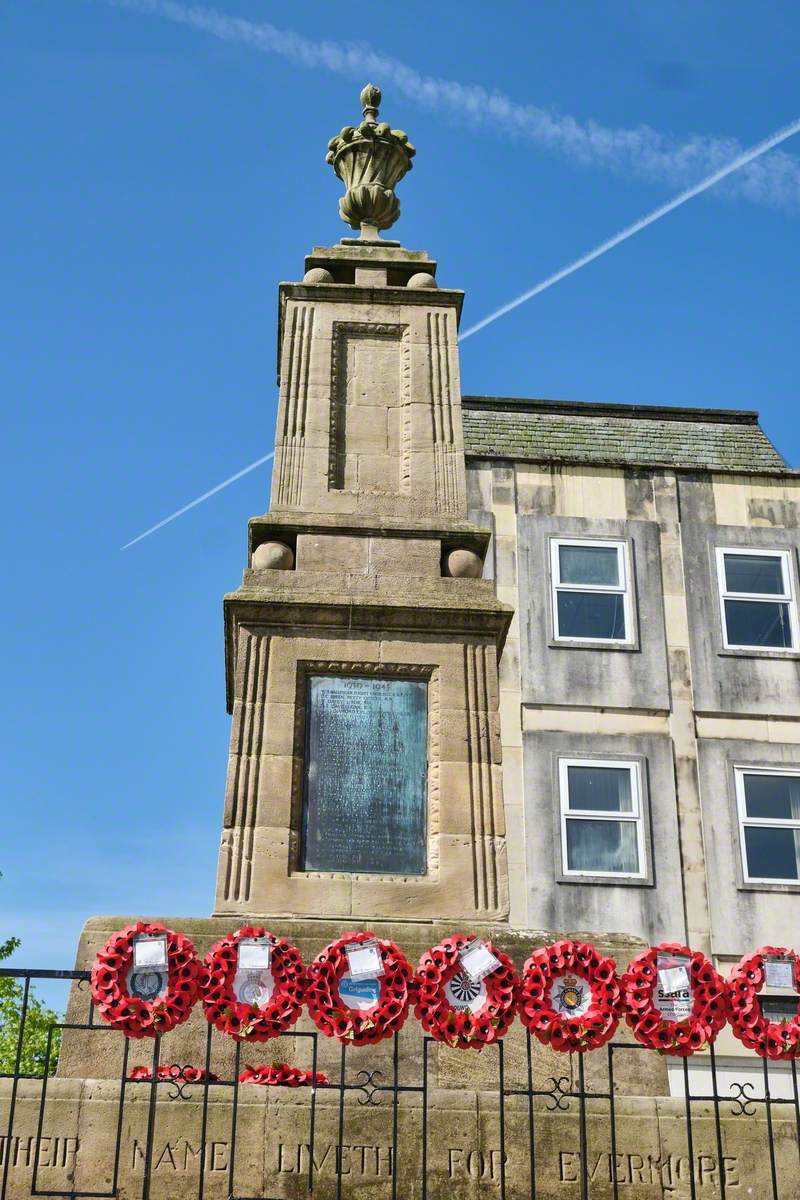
{"points": [[370, 160], [559, 431], [261, 864]]}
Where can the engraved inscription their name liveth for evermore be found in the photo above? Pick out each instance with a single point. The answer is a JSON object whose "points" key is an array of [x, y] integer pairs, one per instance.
{"points": [[366, 1162], [366, 767]]}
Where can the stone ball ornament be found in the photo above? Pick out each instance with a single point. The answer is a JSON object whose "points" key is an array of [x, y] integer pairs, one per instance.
{"points": [[273, 556], [421, 280], [464, 564], [370, 159], [318, 275]]}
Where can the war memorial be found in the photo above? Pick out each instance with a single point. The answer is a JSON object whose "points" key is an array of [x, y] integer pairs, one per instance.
{"points": [[399, 709]]}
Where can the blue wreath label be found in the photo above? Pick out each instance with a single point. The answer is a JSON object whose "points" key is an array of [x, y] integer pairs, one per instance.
{"points": [[360, 995]]}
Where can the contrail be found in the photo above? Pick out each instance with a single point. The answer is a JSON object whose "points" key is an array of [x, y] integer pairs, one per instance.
{"points": [[640, 151], [205, 496], [741, 160], [736, 164]]}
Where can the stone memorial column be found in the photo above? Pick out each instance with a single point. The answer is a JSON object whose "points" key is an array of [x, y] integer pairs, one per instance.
{"points": [[362, 645]]}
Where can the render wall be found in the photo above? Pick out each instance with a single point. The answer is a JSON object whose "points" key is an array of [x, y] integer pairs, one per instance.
{"points": [[676, 699]]}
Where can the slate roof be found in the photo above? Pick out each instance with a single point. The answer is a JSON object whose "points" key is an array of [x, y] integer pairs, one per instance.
{"points": [[636, 435]]}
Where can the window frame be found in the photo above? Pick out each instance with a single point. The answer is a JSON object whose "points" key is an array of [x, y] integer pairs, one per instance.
{"points": [[743, 821], [624, 589], [788, 596], [637, 816]]}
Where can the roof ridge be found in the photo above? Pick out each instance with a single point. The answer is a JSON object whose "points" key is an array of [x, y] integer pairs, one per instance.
{"points": [[642, 412]]}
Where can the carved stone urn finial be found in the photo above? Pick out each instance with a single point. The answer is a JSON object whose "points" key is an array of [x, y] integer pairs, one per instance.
{"points": [[370, 160]]}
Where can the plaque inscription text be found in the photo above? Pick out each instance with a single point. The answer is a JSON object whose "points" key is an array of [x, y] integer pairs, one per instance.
{"points": [[365, 775]]}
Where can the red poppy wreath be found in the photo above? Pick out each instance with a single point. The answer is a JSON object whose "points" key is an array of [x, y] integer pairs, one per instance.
{"points": [[253, 985], [674, 1000], [750, 1023], [145, 980], [570, 997], [458, 1008], [359, 1009]]}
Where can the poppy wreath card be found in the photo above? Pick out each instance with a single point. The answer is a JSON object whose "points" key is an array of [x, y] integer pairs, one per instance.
{"points": [[151, 997], [359, 1010], [776, 1038], [457, 1008], [248, 999], [674, 1000], [570, 996]]}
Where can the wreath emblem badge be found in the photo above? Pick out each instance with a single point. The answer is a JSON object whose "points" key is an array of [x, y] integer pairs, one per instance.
{"points": [[465, 988], [570, 994]]}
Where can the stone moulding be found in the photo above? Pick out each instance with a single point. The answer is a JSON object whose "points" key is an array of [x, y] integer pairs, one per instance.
{"points": [[276, 526], [451, 612], [342, 333], [482, 797], [241, 793], [448, 475], [296, 361], [355, 293]]}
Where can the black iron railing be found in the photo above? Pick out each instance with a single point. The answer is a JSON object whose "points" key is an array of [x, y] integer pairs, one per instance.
{"points": [[715, 1137]]}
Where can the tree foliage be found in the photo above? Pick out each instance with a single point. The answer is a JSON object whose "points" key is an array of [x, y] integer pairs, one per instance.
{"points": [[38, 1019]]}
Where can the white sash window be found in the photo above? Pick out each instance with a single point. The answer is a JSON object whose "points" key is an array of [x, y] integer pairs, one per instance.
{"points": [[757, 601], [602, 827], [769, 824], [591, 590]]}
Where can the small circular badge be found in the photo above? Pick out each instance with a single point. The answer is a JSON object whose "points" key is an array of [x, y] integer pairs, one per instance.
{"points": [[254, 987], [464, 993], [147, 985], [255, 1001]]}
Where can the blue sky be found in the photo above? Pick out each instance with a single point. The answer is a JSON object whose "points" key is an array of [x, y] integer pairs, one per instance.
{"points": [[159, 180]]}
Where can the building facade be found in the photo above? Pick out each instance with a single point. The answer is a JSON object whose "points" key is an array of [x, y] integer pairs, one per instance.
{"points": [[649, 684]]}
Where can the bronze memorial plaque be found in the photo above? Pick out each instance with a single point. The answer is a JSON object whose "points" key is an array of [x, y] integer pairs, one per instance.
{"points": [[366, 767]]}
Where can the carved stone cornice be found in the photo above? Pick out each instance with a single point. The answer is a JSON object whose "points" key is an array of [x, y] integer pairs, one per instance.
{"points": [[459, 610]]}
